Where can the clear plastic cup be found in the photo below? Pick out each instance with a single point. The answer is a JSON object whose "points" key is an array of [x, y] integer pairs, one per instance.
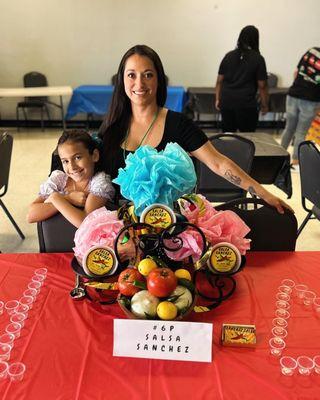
{"points": [[11, 306], [16, 371], [276, 346], [285, 289], [279, 332], [38, 279], [26, 301], [7, 338], [14, 328], [308, 298], [316, 360], [3, 370], [288, 365], [18, 317], [316, 305], [288, 282], [283, 296], [283, 304], [41, 271], [299, 292], [22, 308], [36, 285], [1, 307], [305, 365], [281, 313], [31, 292], [5, 350], [281, 322]]}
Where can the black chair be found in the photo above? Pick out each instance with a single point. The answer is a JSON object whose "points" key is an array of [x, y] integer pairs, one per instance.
{"points": [[272, 80], [34, 79], [270, 230], [56, 235], [309, 161], [6, 142], [216, 188]]}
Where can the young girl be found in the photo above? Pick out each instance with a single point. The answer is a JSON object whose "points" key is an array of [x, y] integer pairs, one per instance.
{"points": [[78, 190]]}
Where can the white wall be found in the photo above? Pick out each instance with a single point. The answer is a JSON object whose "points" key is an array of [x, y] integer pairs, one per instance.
{"points": [[78, 42]]}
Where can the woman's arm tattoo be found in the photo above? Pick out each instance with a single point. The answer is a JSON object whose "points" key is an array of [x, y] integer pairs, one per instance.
{"points": [[236, 180], [252, 191]]}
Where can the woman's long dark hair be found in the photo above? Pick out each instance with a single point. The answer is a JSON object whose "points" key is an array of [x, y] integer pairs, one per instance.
{"points": [[248, 39], [116, 122]]}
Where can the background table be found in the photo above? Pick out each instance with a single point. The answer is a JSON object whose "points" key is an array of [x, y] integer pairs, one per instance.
{"points": [[67, 345], [96, 99], [202, 100], [40, 92]]}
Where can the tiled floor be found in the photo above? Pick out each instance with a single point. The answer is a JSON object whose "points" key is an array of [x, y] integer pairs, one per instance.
{"points": [[31, 164]]}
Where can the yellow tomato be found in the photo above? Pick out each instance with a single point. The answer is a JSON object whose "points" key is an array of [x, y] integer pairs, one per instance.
{"points": [[183, 273], [146, 265], [167, 310]]}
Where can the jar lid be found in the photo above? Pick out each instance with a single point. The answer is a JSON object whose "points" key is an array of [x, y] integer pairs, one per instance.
{"points": [[224, 258], [100, 261], [158, 215]]}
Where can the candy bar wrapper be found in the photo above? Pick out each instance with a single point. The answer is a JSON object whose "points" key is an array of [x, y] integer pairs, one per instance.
{"points": [[238, 335]]}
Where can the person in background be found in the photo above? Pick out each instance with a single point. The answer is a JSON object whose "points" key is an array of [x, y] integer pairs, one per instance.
{"points": [[80, 189], [241, 73], [137, 117], [303, 102]]}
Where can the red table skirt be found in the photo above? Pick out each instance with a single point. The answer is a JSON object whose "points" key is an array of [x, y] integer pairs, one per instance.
{"points": [[67, 345]]}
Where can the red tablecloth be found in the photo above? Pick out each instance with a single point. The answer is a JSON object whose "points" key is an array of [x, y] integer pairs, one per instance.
{"points": [[67, 345]]}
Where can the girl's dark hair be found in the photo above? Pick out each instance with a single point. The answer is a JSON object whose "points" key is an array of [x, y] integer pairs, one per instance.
{"points": [[248, 39], [81, 136], [116, 122], [78, 136]]}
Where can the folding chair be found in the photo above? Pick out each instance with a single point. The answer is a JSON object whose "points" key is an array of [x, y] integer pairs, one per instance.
{"points": [[216, 188], [56, 235], [270, 230], [6, 142], [34, 79], [309, 161]]}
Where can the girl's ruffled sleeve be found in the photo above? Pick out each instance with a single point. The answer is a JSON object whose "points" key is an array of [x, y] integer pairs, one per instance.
{"points": [[55, 183], [101, 186]]}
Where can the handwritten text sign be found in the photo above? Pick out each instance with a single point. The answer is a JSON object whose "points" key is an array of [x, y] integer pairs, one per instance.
{"points": [[167, 340]]}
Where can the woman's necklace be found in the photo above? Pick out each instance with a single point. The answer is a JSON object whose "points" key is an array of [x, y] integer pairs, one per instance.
{"points": [[144, 136]]}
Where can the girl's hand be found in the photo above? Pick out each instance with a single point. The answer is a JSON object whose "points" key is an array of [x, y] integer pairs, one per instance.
{"points": [[276, 202], [77, 198]]}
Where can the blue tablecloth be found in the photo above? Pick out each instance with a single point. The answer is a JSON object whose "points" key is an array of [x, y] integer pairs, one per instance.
{"points": [[96, 99]]}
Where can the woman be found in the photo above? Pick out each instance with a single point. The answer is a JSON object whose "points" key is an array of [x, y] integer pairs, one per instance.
{"points": [[241, 72], [137, 117]]}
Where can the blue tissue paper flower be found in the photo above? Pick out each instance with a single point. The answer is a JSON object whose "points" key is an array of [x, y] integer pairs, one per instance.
{"points": [[156, 177]]}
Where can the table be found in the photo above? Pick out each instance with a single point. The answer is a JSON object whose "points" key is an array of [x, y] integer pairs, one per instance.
{"points": [[67, 345], [96, 99], [271, 162], [40, 92], [202, 100]]}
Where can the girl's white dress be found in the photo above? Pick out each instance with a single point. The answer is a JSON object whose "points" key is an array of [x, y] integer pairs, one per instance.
{"points": [[100, 185]]}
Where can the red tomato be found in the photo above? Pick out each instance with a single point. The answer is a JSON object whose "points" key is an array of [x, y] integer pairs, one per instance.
{"points": [[161, 282], [126, 280]]}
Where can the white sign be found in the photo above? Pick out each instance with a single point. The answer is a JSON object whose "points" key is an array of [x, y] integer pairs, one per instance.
{"points": [[167, 340]]}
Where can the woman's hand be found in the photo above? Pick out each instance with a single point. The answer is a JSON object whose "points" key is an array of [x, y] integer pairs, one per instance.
{"points": [[276, 202]]}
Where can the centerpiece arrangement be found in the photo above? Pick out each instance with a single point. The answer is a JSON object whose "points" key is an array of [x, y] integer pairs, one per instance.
{"points": [[163, 248]]}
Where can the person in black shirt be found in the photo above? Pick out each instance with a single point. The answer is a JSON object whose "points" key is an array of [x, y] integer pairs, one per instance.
{"points": [[137, 117], [241, 72]]}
